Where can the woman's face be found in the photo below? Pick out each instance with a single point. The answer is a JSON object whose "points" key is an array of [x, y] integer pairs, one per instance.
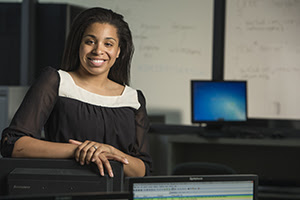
{"points": [[99, 49]]}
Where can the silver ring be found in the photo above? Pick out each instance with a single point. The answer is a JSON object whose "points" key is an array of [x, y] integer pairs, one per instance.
{"points": [[95, 147]]}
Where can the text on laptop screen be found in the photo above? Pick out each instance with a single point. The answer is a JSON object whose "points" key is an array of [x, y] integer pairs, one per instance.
{"points": [[211, 190]]}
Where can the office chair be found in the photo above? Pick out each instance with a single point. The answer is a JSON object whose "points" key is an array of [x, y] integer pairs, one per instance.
{"points": [[202, 168]]}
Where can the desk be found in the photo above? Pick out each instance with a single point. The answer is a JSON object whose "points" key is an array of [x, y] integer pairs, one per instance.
{"points": [[274, 160]]}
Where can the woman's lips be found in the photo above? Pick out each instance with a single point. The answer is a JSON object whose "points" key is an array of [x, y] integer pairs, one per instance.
{"points": [[97, 62]]}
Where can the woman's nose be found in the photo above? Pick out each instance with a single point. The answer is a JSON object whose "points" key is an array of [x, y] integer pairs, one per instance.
{"points": [[98, 49]]}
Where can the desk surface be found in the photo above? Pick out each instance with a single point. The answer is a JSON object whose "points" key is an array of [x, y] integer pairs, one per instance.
{"points": [[229, 135], [193, 138], [275, 160]]}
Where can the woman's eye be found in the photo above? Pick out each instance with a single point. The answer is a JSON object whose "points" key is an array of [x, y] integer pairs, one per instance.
{"points": [[90, 42], [108, 44]]}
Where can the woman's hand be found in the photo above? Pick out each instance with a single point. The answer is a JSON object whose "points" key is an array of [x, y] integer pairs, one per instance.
{"points": [[99, 153]]}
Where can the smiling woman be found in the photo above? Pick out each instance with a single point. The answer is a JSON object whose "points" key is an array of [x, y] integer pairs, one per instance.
{"points": [[86, 108], [98, 51]]}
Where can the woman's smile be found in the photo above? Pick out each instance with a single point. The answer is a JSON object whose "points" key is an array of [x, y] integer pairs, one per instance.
{"points": [[97, 62]]}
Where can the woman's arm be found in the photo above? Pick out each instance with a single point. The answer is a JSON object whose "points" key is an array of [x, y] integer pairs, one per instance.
{"points": [[32, 113], [141, 147], [135, 166], [30, 147]]}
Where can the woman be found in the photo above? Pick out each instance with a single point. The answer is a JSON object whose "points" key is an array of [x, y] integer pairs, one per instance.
{"points": [[86, 108]]}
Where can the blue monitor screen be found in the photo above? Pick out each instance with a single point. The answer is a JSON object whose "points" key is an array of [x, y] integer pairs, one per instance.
{"points": [[219, 101]]}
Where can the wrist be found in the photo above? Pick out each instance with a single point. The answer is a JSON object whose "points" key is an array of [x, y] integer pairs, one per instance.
{"points": [[72, 149]]}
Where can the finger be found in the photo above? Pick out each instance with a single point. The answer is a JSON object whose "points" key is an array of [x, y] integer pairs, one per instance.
{"points": [[117, 158], [77, 152], [75, 142], [99, 164], [90, 152], [87, 152], [107, 165], [81, 151], [102, 148]]}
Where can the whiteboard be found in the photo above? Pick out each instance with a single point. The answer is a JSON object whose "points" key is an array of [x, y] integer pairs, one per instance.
{"points": [[262, 46], [173, 44]]}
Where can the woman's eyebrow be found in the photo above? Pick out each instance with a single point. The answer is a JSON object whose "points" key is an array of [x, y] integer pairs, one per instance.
{"points": [[93, 36], [111, 38], [90, 36]]}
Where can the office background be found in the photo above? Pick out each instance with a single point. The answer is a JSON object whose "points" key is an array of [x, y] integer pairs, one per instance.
{"points": [[178, 42], [252, 40]]}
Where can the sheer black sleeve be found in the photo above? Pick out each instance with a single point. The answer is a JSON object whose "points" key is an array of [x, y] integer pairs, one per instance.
{"points": [[142, 128], [33, 112]]}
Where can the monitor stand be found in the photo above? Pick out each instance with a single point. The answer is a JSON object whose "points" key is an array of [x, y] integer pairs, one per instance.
{"points": [[212, 130]]}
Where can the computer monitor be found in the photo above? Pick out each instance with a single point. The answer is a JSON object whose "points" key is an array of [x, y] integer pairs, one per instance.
{"points": [[217, 187], [215, 103]]}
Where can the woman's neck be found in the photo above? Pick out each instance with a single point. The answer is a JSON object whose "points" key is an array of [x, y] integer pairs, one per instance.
{"points": [[96, 84]]}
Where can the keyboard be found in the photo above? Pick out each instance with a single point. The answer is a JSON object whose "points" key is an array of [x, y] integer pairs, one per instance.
{"points": [[261, 132], [175, 129], [227, 131]]}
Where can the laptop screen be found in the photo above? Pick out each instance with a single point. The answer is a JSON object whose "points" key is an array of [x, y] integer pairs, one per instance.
{"points": [[235, 187]]}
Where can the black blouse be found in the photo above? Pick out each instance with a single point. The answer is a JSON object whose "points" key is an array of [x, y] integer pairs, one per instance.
{"points": [[66, 111]]}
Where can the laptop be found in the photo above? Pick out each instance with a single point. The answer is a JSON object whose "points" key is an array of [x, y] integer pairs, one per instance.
{"points": [[208, 187]]}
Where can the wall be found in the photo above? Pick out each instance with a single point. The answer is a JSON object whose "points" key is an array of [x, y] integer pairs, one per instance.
{"points": [[263, 47]]}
